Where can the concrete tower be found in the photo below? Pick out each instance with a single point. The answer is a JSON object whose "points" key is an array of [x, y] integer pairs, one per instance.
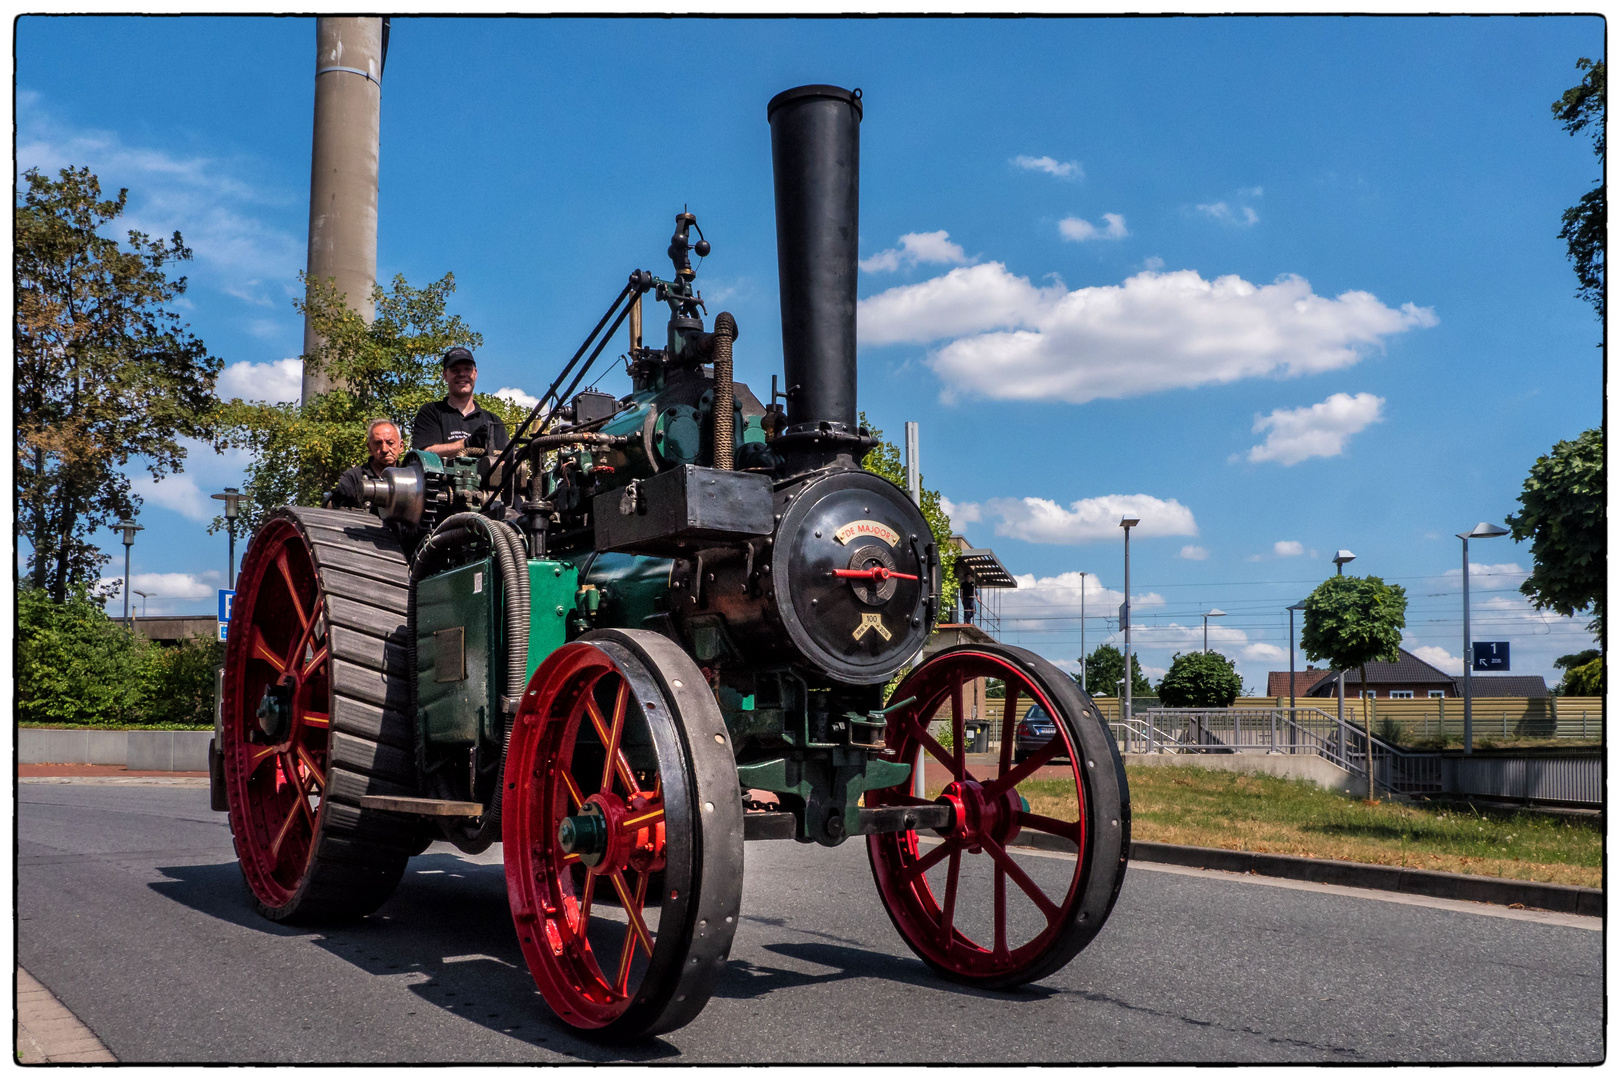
{"points": [[349, 54]]}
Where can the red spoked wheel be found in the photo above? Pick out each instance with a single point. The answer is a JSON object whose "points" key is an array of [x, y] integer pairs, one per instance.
{"points": [[622, 829], [970, 904], [315, 714]]}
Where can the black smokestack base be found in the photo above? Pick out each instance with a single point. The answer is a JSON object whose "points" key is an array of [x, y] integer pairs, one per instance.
{"points": [[816, 159]]}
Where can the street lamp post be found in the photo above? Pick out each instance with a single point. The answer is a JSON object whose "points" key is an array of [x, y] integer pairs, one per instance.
{"points": [[232, 499], [1125, 610], [1293, 725], [1339, 559], [1082, 631], [130, 529], [1482, 531], [1212, 613], [143, 597]]}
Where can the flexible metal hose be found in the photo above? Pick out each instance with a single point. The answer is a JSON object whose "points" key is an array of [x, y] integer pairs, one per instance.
{"points": [[725, 332]]}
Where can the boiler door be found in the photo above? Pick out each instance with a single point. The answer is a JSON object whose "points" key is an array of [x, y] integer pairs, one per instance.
{"points": [[852, 576]]}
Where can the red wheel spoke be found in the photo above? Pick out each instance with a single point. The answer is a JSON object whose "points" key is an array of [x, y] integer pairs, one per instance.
{"points": [[574, 794], [1006, 865], [958, 733], [259, 757], [621, 701], [585, 896], [1009, 724], [920, 731], [292, 591], [1021, 773], [620, 764], [315, 770], [262, 649], [317, 720], [313, 663], [924, 864], [632, 909], [1042, 823], [948, 914], [647, 817], [627, 955], [292, 816]]}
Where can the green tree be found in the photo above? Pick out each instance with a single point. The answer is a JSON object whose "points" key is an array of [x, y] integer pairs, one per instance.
{"points": [[75, 665], [885, 460], [1582, 677], [1105, 667], [177, 681], [1204, 680], [1565, 519], [105, 371], [1350, 622], [388, 368], [1586, 223]]}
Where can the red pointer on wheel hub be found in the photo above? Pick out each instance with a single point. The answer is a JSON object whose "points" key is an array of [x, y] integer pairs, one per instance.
{"points": [[877, 573]]}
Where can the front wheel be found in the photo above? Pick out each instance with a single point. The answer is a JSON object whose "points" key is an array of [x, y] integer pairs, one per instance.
{"points": [[968, 903], [621, 786]]}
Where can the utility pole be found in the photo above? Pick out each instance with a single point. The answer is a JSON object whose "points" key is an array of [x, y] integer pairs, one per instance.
{"points": [[349, 56], [919, 785]]}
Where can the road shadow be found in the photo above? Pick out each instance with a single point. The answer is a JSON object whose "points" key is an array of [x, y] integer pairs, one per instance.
{"points": [[448, 922]]}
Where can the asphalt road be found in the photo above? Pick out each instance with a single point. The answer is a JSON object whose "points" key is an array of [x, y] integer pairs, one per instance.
{"points": [[132, 911]]}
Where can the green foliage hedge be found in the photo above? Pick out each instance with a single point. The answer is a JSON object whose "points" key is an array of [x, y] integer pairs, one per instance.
{"points": [[76, 666]]}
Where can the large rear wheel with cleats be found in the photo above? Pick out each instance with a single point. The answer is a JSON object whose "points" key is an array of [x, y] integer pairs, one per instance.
{"points": [[970, 903], [622, 830], [316, 713]]}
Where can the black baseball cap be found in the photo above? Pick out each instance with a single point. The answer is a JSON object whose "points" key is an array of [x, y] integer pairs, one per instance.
{"points": [[458, 355]]}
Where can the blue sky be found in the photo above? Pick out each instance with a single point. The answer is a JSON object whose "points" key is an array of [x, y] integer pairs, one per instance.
{"points": [[1276, 286]]}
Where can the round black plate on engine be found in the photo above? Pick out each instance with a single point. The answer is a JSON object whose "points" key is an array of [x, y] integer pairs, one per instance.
{"points": [[859, 629]]}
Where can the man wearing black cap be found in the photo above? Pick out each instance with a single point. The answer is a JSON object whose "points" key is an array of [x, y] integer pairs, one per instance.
{"points": [[454, 425]]}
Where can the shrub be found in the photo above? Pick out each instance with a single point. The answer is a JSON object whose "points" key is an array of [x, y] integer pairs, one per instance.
{"points": [[1390, 730], [178, 682], [75, 665], [1205, 680]]}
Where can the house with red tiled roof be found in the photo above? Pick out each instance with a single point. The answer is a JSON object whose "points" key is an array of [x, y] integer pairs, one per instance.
{"points": [[1407, 677]]}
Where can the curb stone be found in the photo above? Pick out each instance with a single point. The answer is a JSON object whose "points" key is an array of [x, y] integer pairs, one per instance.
{"points": [[47, 1032], [1570, 899]]}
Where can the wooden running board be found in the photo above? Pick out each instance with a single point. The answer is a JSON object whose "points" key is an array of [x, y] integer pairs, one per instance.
{"points": [[436, 808]]}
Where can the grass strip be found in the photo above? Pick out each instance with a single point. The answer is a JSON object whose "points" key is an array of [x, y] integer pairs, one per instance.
{"points": [[1213, 808]]}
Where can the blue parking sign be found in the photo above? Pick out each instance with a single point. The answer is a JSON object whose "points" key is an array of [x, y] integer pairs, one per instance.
{"points": [[225, 598]]}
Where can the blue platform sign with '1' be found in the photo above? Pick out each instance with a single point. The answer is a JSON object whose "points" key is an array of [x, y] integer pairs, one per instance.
{"points": [[226, 596], [1491, 656]]}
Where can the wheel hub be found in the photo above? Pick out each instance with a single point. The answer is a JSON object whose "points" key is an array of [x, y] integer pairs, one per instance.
{"points": [[584, 834], [275, 712], [981, 816]]}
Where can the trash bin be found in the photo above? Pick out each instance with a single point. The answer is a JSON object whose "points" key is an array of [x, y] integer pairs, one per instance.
{"points": [[979, 737]]}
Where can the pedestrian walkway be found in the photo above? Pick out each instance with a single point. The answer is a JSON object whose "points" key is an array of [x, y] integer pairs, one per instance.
{"points": [[47, 1033]]}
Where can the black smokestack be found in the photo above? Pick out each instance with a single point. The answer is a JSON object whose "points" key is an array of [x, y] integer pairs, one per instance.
{"points": [[816, 157]]}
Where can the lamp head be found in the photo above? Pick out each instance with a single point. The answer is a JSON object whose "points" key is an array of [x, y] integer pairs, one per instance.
{"points": [[232, 499], [1127, 523], [1214, 613], [130, 529], [1296, 607], [1342, 556], [1483, 531]]}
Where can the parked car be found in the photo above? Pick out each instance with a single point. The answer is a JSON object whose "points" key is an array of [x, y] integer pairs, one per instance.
{"points": [[1034, 731]]}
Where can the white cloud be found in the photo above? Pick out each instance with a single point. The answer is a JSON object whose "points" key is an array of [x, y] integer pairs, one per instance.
{"points": [[1006, 338], [1038, 600], [1318, 430], [1193, 552], [1497, 570], [1042, 521], [178, 492], [1227, 215], [518, 397], [1153, 262], [1174, 637], [1264, 653], [1439, 657], [1063, 170], [277, 381], [166, 594], [961, 513], [1285, 548], [1081, 230], [209, 199], [930, 247]]}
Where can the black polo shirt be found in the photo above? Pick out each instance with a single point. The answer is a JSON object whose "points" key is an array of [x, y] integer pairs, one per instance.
{"points": [[441, 422], [348, 491]]}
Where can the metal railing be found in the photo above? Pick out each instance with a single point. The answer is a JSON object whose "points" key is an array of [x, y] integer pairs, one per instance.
{"points": [[1308, 731]]}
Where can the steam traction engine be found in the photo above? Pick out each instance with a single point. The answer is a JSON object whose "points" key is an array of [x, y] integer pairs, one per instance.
{"points": [[653, 628]]}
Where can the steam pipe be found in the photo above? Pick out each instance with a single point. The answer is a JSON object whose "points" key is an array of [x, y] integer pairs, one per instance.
{"points": [[725, 332], [815, 157]]}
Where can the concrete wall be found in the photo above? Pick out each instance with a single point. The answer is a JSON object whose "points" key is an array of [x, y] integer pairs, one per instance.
{"points": [[157, 751], [1317, 770]]}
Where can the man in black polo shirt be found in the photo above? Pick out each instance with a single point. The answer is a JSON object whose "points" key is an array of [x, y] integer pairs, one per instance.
{"points": [[451, 426]]}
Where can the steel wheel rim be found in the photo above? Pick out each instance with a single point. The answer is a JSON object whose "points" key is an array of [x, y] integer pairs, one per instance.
{"points": [[900, 862], [587, 974], [277, 788]]}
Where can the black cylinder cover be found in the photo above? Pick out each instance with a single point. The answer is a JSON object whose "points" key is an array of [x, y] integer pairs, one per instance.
{"points": [[816, 158]]}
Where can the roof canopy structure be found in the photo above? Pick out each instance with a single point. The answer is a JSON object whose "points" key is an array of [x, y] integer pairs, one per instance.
{"points": [[981, 566]]}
